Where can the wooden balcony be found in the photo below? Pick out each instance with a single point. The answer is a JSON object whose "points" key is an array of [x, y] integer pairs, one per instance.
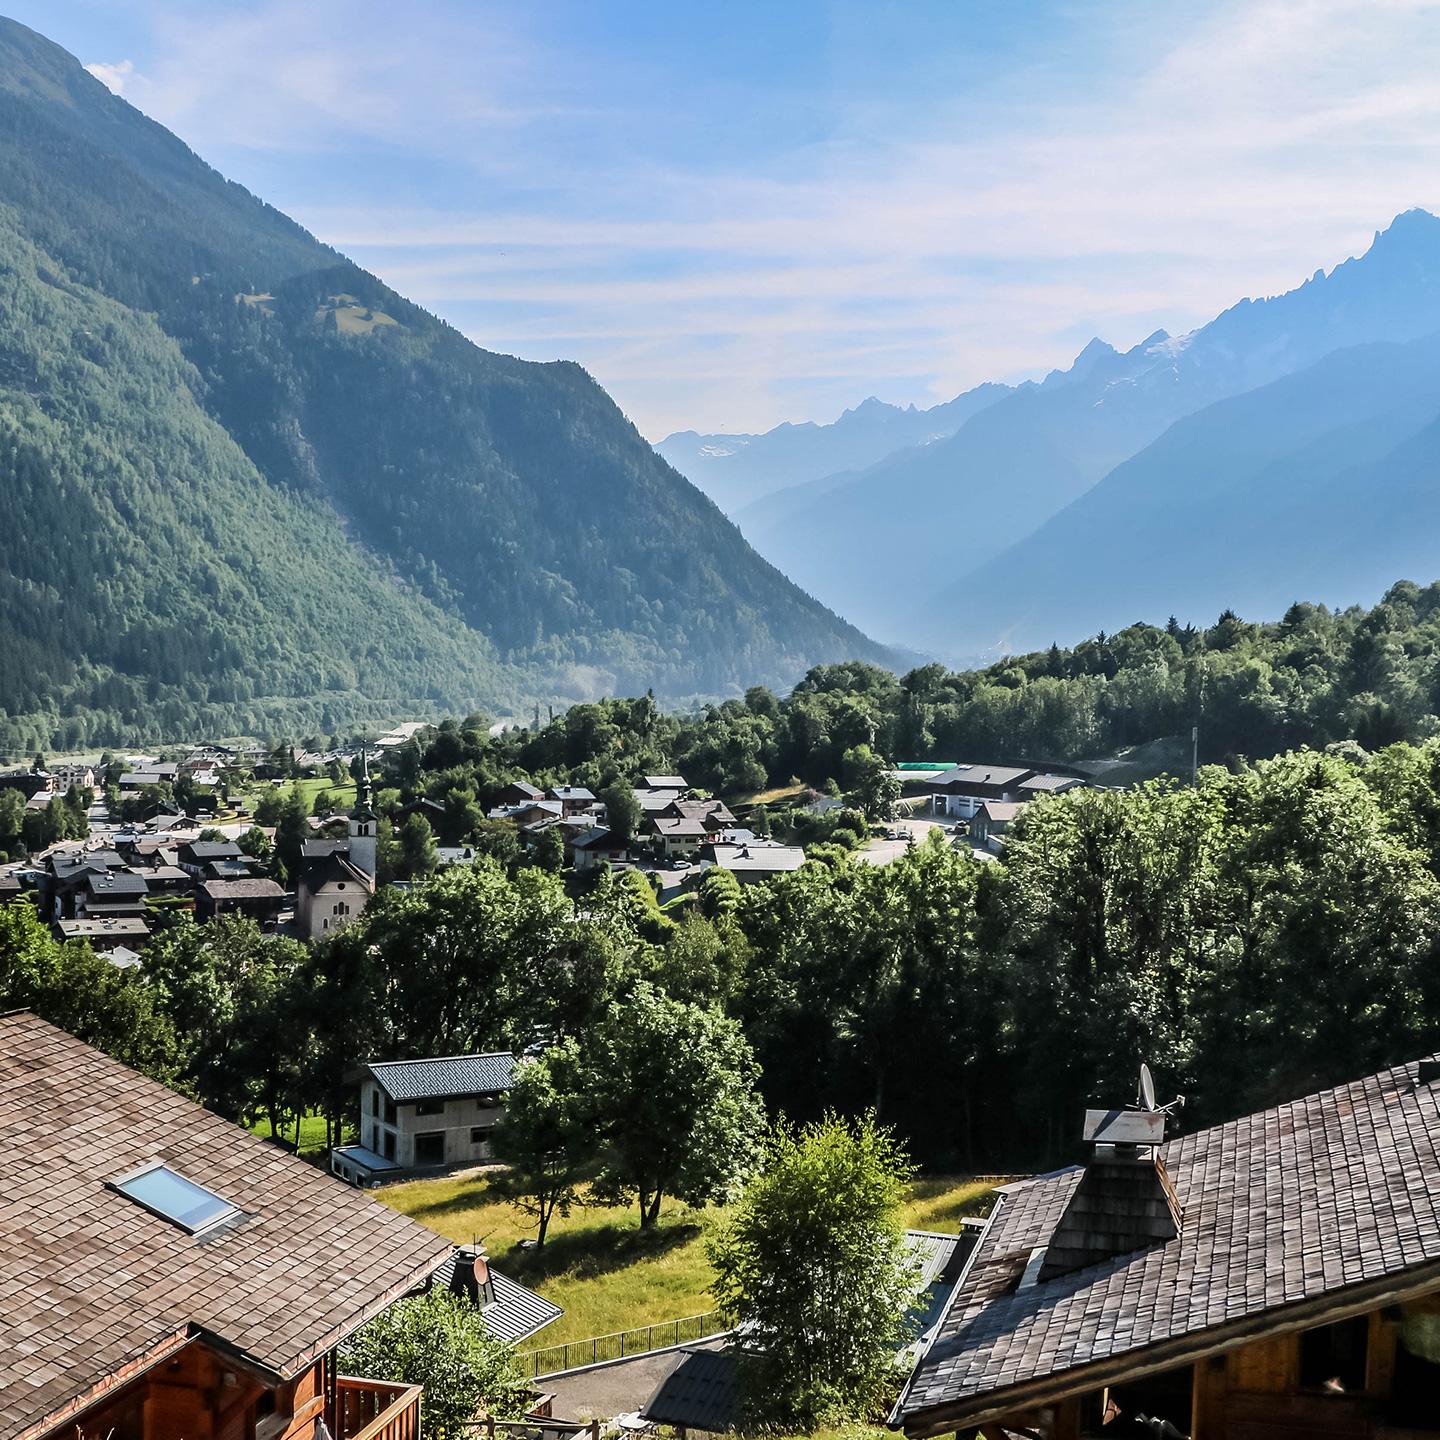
{"points": [[376, 1410]]}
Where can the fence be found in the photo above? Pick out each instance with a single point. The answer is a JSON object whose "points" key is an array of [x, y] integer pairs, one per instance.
{"points": [[620, 1344]]}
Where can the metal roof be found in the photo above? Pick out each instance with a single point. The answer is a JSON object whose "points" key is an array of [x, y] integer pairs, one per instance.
{"points": [[517, 1313], [447, 1076], [700, 1393]]}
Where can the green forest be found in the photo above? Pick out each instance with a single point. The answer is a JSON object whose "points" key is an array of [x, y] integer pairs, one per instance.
{"points": [[1273, 929]]}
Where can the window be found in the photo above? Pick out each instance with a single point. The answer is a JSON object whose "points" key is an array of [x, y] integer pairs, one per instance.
{"points": [[167, 1193], [1332, 1357], [390, 1111], [388, 1148], [341, 908], [480, 1134], [375, 1102], [430, 1148], [429, 1107]]}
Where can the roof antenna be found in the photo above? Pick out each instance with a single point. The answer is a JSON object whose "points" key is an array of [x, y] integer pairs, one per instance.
{"points": [[1145, 1096]]}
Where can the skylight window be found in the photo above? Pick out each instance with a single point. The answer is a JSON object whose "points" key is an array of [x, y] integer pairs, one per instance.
{"points": [[167, 1193]]}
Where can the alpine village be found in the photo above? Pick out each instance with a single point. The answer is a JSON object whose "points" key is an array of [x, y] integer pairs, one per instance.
{"points": [[925, 923]]}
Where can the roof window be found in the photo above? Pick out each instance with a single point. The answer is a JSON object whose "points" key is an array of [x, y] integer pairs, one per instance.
{"points": [[167, 1193]]}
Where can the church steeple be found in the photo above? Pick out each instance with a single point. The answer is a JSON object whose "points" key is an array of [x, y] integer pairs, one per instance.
{"points": [[363, 822]]}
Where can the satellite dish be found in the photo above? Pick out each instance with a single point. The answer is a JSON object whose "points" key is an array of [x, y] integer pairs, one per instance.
{"points": [[1147, 1088]]}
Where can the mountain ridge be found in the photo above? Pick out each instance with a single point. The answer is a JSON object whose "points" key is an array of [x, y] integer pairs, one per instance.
{"points": [[503, 510]]}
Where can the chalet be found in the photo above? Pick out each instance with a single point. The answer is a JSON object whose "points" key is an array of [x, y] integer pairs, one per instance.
{"points": [[573, 799], [991, 822], [164, 1274], [260, 899], [69, 776], [106, 933], [519, 792], [29, 783], [194, 855], [528, 812], [715, 814], [425, 1115], [753, 862], [110, 892], [596, 847], [432, 810], [1277, 1276], [677, 834], [665, 782], [68, 872]]}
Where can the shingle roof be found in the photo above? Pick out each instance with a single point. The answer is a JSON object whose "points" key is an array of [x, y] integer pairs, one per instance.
{"points": [[445, 1077], [1281, 1207], [90, 1281], [248, 889]]}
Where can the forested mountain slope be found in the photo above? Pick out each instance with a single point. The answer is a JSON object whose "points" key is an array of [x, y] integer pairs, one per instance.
{"points": [[292, 496], [889, 538]]}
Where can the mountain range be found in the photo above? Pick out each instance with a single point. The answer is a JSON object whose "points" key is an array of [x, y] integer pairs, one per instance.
{"points": [[249, 488], [1121, 486]]}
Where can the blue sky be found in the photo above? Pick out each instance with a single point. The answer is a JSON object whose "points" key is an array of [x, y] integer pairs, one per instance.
{"points": [[736, 215]]}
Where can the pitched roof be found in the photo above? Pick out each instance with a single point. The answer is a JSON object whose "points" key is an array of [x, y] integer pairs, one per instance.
{"points": [[700, 1393], [1051, 783], [90, 1281], [597, 838], [115, 882], [333, 866], [570, 792], [248, 889], [759, 859], [679, 825], [518, 1312], [666, 782], [212, 850], [965, 776], [1001, 812], [1280, 1210], [445, 1077]]}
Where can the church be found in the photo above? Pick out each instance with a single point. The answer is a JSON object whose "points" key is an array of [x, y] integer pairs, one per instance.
{"points": [[337, 877]]}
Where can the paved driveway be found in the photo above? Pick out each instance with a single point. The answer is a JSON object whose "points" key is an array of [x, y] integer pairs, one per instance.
{"points": [[606, 1391]]}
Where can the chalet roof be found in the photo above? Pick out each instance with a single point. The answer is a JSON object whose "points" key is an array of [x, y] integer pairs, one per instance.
{"points": [[1284, 1213], [682, 826], [247, 889], [533, 792], [759, 859], [666, 782], [1050, 784], [91, 1282], [101, 883], [133, 927], [597, 838], [1001, 812], [700, 1392], [202, 851], [570, 792], [446, 1077], [655, 800]]}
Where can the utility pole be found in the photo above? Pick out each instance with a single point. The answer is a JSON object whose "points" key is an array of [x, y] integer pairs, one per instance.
{"points": [[1194, 755]]}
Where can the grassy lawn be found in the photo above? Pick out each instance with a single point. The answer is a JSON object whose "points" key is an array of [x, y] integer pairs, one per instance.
{"points": [[344, 795], [598, 1265], [312, 1133]]}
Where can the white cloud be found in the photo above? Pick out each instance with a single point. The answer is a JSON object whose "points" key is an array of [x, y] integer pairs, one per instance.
{"points": [[114, 76]]}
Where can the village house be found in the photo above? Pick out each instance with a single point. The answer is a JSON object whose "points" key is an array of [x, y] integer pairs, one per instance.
{"points": [[107, 933], [991, 822], [69, 775], [677, 834], [664, 782], [573, 799], [754, 861], [260, 899], [595, 848], [29, 783], [194, 855], [425, 1115], [1276, 1277], [959, 793], [519, 792], [165, 1274]]}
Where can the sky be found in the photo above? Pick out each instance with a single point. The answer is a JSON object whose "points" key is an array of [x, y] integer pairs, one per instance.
{"points": [[735, 215]]}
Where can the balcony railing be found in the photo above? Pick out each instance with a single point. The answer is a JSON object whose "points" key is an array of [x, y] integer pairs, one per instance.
{"points": [[376, 1410]]}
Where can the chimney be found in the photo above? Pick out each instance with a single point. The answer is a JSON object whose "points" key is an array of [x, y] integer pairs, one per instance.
{"points": [[1124, 1202], [471, 1276]]}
